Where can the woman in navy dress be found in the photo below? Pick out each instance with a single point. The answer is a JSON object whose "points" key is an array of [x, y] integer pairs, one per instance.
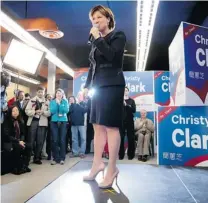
{"points": [[106, 78]]}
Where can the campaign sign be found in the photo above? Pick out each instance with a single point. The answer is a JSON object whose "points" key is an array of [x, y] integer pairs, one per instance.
{"points": [[140, 86], [155, 123], [177, 65], [188, 58], [162, 88], [183, 135], [196, 64], [79, 81]]}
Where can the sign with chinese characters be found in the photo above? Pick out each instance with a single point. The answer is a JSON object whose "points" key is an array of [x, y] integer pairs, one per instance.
{"points": [[162, 88], [188, 58], [185, 141]]}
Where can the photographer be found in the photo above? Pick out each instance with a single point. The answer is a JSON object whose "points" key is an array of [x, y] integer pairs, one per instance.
{"points": [[144, 128], [5, 81]]}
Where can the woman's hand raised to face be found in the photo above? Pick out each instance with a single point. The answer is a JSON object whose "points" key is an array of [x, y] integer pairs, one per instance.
{"points": [[95, 32]]}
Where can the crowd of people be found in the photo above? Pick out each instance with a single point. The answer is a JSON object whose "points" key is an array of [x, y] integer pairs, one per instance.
{"points": [[33, 127]]}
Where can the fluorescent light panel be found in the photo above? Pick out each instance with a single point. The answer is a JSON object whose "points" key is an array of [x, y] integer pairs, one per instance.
{"points": [[146, 13], [30, 80], [23, 57], [25, 36]]}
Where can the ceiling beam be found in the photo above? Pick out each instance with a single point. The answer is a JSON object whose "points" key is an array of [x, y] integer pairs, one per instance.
{"points": [[199, 13]]}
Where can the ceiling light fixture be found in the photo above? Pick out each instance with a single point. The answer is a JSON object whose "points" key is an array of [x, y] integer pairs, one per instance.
{"points": [[22, 34], [51, 34], [146, 13], [23, 57]]}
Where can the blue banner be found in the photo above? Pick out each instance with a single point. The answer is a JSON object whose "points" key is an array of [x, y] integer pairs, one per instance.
{"points": [[183, 135], [162, 88], [188, 60], [140, 85], [79, 82], [196, 62]]}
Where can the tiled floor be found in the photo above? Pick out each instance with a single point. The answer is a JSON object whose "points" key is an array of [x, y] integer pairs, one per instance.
{"points": [[136, 183], [17, 189], [25, 186]]}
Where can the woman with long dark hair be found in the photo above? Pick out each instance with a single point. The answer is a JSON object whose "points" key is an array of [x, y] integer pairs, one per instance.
{"points": [[14, 136]]}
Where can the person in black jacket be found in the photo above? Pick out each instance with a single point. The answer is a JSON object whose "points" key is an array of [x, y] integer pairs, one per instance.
{"points": [[48, 136], [14, 134], [21, 104], [128, 126], [90, 131], [5, 81], [106, 77], [5, 156], [76, 114]]}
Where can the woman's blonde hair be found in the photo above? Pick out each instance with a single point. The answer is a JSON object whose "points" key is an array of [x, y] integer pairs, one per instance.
{"points": [[62, 91]]}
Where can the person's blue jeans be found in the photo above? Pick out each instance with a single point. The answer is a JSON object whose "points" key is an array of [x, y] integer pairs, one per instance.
{"points": [[58, 132], [75, 141]]}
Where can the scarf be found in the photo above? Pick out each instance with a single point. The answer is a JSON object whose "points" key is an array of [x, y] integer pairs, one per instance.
{"points": [[17, 129]]}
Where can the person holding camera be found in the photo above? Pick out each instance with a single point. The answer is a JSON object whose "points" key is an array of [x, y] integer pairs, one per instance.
{"points": [[144, 128], [5, 81], [38, 112]]}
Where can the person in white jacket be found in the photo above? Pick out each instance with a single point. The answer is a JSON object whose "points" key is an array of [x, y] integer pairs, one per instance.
{"points": [[38, 112], [144, 128]]}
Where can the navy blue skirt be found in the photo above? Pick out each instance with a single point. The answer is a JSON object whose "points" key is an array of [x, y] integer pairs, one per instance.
{"points": [[107, 106]]}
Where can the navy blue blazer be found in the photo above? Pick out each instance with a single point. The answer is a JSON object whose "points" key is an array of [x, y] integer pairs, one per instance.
{"points": [[106, 61]]}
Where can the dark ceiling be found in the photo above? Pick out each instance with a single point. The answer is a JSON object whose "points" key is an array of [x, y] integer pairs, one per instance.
{"points": [[72, 19], [169, 16]]}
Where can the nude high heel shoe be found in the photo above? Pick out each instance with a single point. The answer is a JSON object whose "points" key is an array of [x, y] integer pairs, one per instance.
{"points": [[93, 176], [109, 185]]}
